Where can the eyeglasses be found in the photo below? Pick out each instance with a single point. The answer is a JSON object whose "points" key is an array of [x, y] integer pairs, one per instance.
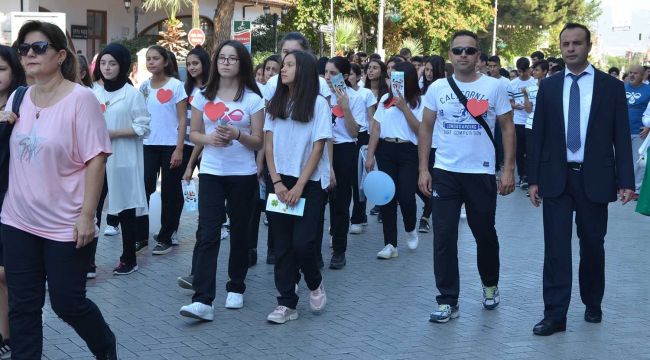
{"points": [[227, 60], [39, 48], [468, 50]]}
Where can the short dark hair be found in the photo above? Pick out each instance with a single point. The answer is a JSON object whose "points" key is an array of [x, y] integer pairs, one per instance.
{"points": [[494, 59], [537, 54], [560, 62], [483, 57], [405, 51], [361, 53], [523, 64], [571, 25], [296, 36], [551, 59], [374, 56], [320, 65], [556, 68], [464, 33], [417, 58], [542, 64], [503, 72], [614, 69]]}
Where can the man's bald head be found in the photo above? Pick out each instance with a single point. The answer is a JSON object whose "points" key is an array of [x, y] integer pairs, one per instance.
{"points": [[635, 75]]}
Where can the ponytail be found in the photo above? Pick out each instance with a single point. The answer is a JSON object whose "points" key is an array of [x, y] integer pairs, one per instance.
{"points": [[69, 67]]}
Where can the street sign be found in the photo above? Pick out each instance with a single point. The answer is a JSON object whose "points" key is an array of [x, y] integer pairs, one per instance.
{"points": [[79, 32], [326, 28], [242, 31], [196, 37]]}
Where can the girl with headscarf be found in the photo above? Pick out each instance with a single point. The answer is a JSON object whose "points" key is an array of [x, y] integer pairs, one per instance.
{"points": [[127, 121]]}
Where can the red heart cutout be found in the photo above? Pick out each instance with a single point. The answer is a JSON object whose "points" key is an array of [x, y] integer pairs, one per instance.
{"points": [[102, 107], [164, 95], [190, 99], [214, 111], [337, 111], [477, 107], [392, 102]]}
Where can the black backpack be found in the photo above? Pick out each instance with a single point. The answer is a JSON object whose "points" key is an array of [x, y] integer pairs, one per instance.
{"points": [[5, 134]]}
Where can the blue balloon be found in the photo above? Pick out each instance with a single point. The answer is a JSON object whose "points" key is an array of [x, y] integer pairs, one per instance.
{"points": [[379, 188]]}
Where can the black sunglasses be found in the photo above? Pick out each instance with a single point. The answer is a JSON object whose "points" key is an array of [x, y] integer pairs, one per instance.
{"points": [[39, 48], [468, 50]]}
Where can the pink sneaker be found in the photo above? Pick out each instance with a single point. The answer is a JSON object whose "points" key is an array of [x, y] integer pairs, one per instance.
{"points": [[317, 298]]}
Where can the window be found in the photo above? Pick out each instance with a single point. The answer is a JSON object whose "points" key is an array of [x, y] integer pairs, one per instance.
{"points": [[96, 22]]}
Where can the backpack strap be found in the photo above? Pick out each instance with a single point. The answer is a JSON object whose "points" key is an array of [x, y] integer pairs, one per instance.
{"points": [[19, 94]]}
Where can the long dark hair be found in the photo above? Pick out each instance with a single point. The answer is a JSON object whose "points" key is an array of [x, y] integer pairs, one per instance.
{"points": [[172, 58], [57, 40], [83, 66], [300, 102], [10, 56], [411, 87], [167, 56], [342, 65], [246, 75], [438, 66], [383, 86], [204, 58]]}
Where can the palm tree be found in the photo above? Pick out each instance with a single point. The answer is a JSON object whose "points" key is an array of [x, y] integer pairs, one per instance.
{"points": [[222, 21], [173, 39], [346, 32]]}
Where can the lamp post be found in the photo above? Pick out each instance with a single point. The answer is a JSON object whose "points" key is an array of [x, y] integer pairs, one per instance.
{"points": [[380, 28], [136, 12], [494, 27], [267, 11]]}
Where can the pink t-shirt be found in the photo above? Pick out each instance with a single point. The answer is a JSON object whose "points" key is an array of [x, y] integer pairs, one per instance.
{"points": [[47, 165]]}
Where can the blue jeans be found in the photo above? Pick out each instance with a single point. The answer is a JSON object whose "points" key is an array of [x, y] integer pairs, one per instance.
{"points": [[29, 261]]}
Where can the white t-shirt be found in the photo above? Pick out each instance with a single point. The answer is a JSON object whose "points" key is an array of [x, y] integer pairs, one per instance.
{"points": [[161, 104], [235, 159], [532, 96], [293, 142], [505, 82], [359, 111], [393, 122], [269, 89], [195, 91], [515, 94], [463, 145], [369, 100]]}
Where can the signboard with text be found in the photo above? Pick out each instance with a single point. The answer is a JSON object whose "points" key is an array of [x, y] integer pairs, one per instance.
{"points": [[196, 37], [242, 31], [79, 31]]}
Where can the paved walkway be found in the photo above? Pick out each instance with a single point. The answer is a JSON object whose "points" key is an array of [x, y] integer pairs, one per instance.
{"points": [[377, 309]]}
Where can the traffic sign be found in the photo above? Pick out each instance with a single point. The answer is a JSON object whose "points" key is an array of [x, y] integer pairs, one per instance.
{"points": [[326, 28], [196, 37]]}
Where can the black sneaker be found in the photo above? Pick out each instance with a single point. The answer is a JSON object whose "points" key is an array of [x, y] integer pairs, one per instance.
{"points": [[5, 350], [374, 211], [140, 246], [162, 249], [424, 226], [338, 261], [125, 269], [185, 282], [90, 274], [379, 219], [252, 257], [111, 353], [270, 257]]}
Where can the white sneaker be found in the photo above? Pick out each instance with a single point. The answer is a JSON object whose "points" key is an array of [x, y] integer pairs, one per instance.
{"points": [[197, 310], [356, 229], [317, 298], [412, 240], [224, 233], [331, 240], [111, 230], [282, 314], [234, 301], [389, 251], [463, 213], [175, 240]]}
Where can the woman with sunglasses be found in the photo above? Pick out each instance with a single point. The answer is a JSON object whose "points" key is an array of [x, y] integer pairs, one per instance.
{"points": [[128, 121], [348, 116], [12, 76], [163, 148], [227, 119], [58, 150], [359, 219], [394, 142], [298, 125], [377, 81]]}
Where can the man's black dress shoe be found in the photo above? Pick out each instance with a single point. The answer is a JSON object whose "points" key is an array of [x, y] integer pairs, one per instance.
{"points": [[593, 316], [548, 327]]}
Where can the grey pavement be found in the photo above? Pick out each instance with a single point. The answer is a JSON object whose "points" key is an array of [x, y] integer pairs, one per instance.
{"points": [[376, 309]]}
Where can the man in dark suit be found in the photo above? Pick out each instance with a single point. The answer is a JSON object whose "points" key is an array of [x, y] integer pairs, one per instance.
{"points": [[580, 158]]}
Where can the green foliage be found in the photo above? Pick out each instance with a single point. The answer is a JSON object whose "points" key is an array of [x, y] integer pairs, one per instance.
{"points": [[346, 34], [171, 7], [260, 56], [305, 17], [263, 39], [413, 44]]}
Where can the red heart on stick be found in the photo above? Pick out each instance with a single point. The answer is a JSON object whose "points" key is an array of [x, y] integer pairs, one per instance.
{"points": [[102, 107], [214, 111], [337, 111], [164, 95], [477, 107]]}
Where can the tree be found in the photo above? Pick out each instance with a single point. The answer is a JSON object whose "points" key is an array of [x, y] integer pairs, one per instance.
{"points": [[173, 38], [222, 20], [346, 32], [263, 39]]}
